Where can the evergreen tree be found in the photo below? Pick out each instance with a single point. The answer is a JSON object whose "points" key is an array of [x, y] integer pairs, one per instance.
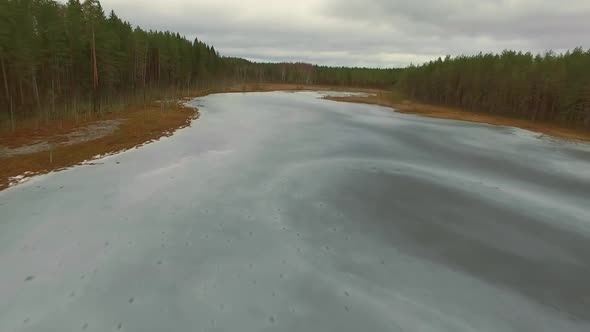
{"points": [[73, 57], [547, 87]]}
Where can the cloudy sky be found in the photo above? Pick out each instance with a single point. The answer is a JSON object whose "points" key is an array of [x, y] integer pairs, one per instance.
{"points": [[382, 33]]}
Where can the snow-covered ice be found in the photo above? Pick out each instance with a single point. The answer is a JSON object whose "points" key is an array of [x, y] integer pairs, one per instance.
{"points": [[284, 212]]}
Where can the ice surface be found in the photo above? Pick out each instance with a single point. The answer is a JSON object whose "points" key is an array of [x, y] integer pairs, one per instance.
{"points": [[284, 212]]}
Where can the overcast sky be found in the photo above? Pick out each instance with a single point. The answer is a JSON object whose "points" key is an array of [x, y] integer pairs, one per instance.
{"points": [[382, 33]]}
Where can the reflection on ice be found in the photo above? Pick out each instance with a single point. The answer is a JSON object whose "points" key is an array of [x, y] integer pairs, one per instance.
{"points": [[285, 212]]}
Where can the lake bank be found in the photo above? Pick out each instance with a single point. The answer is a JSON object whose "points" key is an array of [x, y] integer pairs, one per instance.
{"points": [[282, 211], [36, 147], [33, 149], [553, 130]]}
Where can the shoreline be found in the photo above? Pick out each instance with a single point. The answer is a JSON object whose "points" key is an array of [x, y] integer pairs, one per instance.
{"points": [[138, 126], [552, 130], [135, 128]]}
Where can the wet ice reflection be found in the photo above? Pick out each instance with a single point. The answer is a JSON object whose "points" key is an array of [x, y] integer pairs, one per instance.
{"points": [[284, 212]]}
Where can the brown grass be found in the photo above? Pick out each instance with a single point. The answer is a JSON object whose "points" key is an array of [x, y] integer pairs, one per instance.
{"points": [[255, 87], [140, 125], [144, 124], [384, 98]]}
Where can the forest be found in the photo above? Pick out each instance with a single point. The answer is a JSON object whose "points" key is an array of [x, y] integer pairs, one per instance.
{"points": [[241, 70], [549, 87], [61, 59], [58, 60], [65, 58]]}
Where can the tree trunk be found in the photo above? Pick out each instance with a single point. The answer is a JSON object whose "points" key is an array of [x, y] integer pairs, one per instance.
{"points": [[53, 97], [11, 113], [145, 65], [20, 87], [134, 76], [6, 89], [35, 87], [95, 74], [158, 68]]}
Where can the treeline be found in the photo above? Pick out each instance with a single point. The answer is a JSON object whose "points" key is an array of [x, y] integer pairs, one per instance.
{"points": [[367, 77], [303, 73], [58, 59], [549, 87], [72, 56]]}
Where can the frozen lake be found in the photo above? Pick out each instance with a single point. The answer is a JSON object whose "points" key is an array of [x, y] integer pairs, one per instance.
{"points": [[284, 212]]}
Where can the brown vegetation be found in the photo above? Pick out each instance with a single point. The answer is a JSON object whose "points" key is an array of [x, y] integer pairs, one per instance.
{"points": [[385, 98], [137, 126], [256, 87]]}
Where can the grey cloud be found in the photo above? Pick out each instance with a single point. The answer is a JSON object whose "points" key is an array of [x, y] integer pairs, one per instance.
{"points": [[380, 33], [541, 24]]}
